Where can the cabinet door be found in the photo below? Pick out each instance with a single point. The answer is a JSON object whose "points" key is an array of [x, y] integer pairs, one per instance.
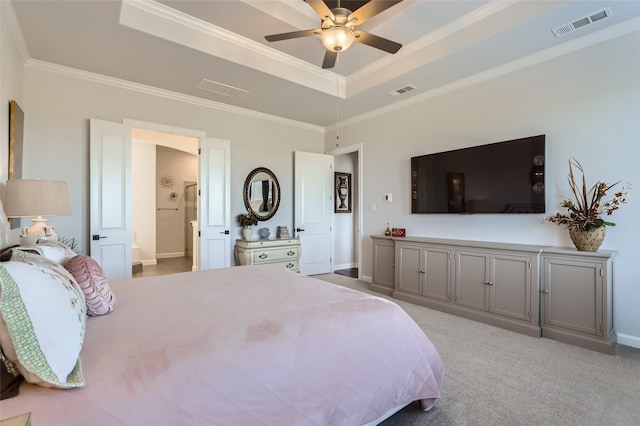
{"points": [[409, 267], [438, 273], [383, 263], [573, 295], [510, 285], [472, 276]]}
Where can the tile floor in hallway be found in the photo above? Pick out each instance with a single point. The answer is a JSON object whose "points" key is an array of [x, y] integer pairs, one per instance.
{"points": [[166, 266]]}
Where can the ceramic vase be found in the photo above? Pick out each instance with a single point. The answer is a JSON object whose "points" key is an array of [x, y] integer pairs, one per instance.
{"points": [[247, 233], [587, 240]]}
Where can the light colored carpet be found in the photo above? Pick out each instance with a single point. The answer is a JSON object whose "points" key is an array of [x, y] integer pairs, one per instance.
{"points": [[498, 377]]}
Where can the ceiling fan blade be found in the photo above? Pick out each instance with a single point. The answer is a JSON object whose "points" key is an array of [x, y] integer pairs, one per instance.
{"points": [[377, 42], [329, 59], [321, 9], [293, 34], [371, 9]]}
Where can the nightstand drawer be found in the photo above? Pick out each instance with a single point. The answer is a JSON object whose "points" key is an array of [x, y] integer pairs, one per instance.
{"points": [[265, 256]]}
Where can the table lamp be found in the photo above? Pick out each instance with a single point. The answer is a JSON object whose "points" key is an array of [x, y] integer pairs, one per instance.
{"points": [[36, 198]]}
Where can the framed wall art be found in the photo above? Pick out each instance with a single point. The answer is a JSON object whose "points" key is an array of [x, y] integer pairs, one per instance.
{"points": [[343, 192]]}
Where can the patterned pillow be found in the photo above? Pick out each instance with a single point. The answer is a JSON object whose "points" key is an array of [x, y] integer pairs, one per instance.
{"points": [[42, 320], [93, 282], [52, 250]]}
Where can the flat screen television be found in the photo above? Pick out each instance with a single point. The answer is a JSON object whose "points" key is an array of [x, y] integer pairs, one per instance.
{"points": [[502, 177]]}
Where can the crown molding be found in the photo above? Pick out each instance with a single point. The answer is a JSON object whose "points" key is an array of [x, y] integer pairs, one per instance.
{"points": [[164, 22], [162, 93], [606, 34]]}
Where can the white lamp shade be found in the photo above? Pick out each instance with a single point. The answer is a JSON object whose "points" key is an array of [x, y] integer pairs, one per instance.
{"points": [[338, 38], [35, 197]]}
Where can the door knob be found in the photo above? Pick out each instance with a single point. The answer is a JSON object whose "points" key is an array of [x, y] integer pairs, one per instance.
{"points": [[299, 229], [96, 237]]}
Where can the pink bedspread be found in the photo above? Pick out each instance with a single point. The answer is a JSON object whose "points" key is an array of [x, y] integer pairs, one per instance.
{"points": [[241, 346]]}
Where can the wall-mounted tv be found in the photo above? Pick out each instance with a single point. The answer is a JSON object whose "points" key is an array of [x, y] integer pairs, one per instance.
{"points": [[502, 177]]}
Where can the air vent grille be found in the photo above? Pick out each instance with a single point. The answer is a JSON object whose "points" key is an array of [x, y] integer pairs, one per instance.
{"points": [[402, 90], [582, 22], [221, 89]]}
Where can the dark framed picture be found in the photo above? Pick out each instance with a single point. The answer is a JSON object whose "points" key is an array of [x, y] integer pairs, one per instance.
{"points": [[343, 192]]}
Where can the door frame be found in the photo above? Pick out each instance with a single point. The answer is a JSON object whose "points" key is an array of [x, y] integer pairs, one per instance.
{"points": [[357, 148]]}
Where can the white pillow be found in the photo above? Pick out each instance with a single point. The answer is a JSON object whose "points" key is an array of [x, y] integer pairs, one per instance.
{"points": [[55, 251], [42, 320]]}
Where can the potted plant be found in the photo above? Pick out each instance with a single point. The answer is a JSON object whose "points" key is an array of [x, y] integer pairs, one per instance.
{"points": [[586, 211], [247, 221]]}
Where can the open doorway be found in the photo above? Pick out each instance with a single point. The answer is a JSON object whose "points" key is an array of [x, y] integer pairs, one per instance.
{"points": [[348, 212], [164, 178]]}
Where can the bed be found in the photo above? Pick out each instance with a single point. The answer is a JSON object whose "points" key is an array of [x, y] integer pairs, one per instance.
{"points": [[241, 346]]}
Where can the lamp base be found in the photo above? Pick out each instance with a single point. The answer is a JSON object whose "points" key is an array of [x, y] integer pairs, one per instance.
{"points": [[38, 232]]}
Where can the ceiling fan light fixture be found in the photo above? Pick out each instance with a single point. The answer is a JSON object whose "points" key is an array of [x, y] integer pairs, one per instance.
{"points": [[338, 38]]}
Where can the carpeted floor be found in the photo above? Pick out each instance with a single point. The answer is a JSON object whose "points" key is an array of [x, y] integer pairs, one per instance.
{"points": [[498, 377]]}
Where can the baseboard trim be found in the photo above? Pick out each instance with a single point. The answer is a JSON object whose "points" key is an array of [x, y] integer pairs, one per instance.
{"points": [[628, 340], [169, 255]]}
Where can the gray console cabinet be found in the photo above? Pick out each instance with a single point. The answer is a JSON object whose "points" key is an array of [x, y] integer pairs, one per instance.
{"points": [[424, 270], [383, 265], [558, 293], [577, 298], [495, 283]]}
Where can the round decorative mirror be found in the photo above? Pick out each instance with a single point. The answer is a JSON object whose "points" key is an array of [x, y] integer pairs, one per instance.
{"points": [[262, 193]]}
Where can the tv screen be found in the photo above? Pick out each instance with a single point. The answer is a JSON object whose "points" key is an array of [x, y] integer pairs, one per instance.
{"points": [[502, 177]]}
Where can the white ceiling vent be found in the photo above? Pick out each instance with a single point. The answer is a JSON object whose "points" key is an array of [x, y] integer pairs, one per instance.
{"points": [[594, 17], [221, 89], [402, 90]]}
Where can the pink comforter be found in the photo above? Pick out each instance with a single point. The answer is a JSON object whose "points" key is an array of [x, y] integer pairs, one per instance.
{"points": [[241, 346]]}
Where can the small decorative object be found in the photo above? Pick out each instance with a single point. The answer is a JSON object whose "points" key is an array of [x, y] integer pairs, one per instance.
{"points": [[247, 221], [397, 232], [173, 196], [343, 192], [167, 182], [283, 233], [387, 232], [264, 232], [585, 212]]}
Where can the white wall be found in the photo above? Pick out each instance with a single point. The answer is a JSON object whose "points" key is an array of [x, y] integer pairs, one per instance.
{"points": [[143, 199], [588, 105], [57, 139], [170, 224], [11, 88]]}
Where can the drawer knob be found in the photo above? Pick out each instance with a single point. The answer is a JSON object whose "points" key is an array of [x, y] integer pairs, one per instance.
{"points": [[290, 265], [290, 253], [263, 256]]}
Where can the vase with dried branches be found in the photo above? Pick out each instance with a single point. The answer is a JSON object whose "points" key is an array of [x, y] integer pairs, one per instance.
{"points": [[586, 212]]}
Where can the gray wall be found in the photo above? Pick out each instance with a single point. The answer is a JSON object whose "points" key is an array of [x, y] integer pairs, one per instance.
{"points": [[588, 105]]}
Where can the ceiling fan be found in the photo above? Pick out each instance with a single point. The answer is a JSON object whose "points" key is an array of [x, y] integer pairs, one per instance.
{"points": [[338, 30]]}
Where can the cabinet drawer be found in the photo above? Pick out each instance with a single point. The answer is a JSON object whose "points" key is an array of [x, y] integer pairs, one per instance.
{"points": [[275, 255], [289, 265]]}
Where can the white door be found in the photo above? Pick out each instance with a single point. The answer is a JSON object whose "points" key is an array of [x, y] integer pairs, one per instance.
{"points": [[110, 197], [313, 210], [214, 214]]}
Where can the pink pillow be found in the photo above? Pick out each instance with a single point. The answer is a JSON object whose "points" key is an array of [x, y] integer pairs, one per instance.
{"points": [[93, 282]]}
